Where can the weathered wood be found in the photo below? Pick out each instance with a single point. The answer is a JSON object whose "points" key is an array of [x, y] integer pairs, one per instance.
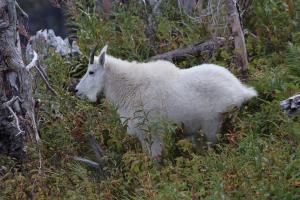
{"points": [[17, 120], [238, 35], [291, 105], [187, 5], [87, 162], [98, 151], [192, 50]]}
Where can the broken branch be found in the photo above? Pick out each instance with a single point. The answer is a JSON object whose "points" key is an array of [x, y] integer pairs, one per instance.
{"points": [[49, 87], [87, 162], [21, 10], [193, 50], [96, 148], [35, 63], [291, 105], [7, 105]]}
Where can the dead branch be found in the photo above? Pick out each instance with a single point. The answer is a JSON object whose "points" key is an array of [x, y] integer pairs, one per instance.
{"points": [[16, 119], [192, 50], [40, 160], [35, 63], [49, 87], [87, 162], [21, 10], [11, 101], [7, 105], [98, 151], [34, 125], [291, 105]]}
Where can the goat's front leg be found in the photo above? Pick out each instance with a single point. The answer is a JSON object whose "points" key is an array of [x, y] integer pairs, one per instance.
{"points": [[152, 143]]}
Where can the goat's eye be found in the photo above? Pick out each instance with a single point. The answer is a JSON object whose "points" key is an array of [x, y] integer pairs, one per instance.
{"points": [[91, 72]]}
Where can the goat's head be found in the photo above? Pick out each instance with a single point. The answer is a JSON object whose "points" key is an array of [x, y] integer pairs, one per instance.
{"points": [[92, 83]]}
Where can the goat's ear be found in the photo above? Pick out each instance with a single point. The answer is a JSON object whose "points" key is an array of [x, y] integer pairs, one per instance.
{"points": [[102, 55]]}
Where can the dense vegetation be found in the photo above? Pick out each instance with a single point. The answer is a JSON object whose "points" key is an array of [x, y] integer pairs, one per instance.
{"points": [[258, 154]]}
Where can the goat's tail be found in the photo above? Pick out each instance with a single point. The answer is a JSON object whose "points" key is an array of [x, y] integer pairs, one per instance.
{"points": [[248, 93]]}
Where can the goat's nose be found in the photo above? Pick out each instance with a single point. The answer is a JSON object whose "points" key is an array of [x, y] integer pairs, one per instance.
{"points": [[76, 91]]}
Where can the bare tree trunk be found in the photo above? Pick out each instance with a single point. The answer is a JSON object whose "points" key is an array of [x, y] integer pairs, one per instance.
{"points": [[105, 7], [238, 35], [17, 119], [187, 5]]}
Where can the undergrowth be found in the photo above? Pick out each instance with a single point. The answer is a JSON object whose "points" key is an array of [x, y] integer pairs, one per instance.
{"points": [[258, 153]]}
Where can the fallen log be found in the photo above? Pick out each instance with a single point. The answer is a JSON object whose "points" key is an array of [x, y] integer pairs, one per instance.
{"points": [[192, 50], [291, 105]]}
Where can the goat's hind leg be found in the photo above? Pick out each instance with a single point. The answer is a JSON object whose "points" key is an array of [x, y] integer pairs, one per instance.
{"points": [[211, 128], [195, 138]]}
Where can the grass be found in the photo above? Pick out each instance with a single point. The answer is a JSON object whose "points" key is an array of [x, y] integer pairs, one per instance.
{"points": [[257, 157]]}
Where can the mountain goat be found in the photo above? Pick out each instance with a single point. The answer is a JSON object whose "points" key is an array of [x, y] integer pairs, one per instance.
{"points": [[196, 97]]}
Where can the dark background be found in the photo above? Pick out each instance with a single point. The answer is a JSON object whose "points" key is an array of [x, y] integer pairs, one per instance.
{"points": [[44, 14]]}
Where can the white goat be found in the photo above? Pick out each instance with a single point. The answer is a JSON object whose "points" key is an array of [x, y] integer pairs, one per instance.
{"points": [[196, 97]]}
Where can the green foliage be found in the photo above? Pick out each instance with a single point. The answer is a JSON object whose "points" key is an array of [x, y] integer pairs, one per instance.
{"points": [[275, 22], [258, 156], [293, 62]]}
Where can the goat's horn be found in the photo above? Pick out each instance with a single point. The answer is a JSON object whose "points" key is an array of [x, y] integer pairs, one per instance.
{"points": [[93, 51]]}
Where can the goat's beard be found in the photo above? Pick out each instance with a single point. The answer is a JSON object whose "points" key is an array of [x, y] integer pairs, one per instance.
{"points": [[100, 96]]}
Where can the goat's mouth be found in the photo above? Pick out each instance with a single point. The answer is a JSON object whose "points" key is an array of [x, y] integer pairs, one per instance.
{"points": [[100, 96], [91, 98], [80, 95]]}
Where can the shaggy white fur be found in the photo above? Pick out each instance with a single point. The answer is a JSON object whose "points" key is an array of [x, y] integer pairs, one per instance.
{"points": [[195, 97]]}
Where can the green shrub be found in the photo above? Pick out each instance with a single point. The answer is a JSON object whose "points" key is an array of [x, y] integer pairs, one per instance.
{"points": [[258, 156]]}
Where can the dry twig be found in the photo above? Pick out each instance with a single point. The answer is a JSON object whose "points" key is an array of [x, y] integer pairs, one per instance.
{"points": [[35, 63], [7, 105], [21, 10], [87, 162]]}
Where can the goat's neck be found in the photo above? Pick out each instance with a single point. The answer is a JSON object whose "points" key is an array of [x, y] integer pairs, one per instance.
{"points": [[119, 86]]}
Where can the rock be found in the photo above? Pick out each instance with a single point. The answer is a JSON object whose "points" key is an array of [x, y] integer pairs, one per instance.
{"points": [[46, 39], [291, 105]]}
